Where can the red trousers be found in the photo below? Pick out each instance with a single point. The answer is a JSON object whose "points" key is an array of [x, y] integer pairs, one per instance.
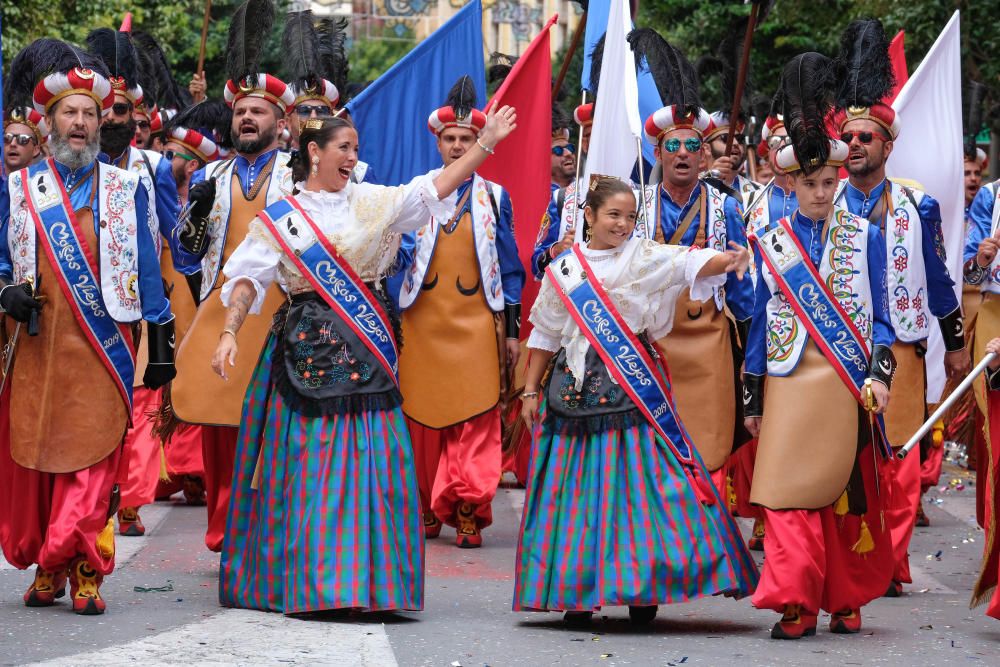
{"points": [[458, 464], [51, 518], [901, 510], [809, 558], [219, 454], [142, 451], [930, 468]]}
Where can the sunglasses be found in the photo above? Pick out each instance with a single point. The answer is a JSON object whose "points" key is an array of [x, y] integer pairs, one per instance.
{"points": [[142, 124], [170, 155], [777, 142], [121, 108], [19, 139], [692, 144], [308, 110], [724, 138], [863, 137], [559, 150]]}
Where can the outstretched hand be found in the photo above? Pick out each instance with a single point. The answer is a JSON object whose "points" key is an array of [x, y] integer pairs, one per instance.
{"points": [[499, 124], [737, 259]]}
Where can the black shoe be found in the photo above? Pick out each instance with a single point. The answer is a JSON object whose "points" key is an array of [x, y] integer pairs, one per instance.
{"points": [[578, 619], [895, 590], [642, 615]]}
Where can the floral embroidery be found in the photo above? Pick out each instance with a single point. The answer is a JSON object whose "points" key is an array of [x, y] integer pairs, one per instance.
{"points": [[346, 368], [593, 394]]}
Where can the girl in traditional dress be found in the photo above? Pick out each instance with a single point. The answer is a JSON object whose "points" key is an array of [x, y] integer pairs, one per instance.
{"points": [[614, 513], [324, 511]]}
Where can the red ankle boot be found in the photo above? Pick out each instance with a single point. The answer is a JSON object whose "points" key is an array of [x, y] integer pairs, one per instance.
{"points": [[129, 523], [46, 587], [467, 535], [794, 624], [432, 526], [846, 622], [85, 588]]}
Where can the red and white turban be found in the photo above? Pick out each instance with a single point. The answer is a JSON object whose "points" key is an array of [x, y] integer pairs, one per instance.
{"points": [[771, 124], [673, 117], [264, 86], [443, 118], [204, 148], [159, 117], [326, 92], [29, 117], [718, 123], [881, 113], [788, 161], [77, 81]]}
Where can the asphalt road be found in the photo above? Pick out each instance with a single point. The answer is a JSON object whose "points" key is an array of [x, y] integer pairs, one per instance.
{"points": [[163, 610]]}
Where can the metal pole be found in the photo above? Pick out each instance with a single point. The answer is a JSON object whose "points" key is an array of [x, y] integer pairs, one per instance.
{"points": [[642, 185], [579, 161], [945, 404]]}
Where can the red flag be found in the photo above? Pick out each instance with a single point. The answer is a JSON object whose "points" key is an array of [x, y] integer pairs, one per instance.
{"points": [[897, 55], [522, 163]]}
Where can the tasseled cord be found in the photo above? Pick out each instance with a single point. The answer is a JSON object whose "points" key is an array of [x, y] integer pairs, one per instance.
{"points": [[865, 543], [106, 539], [165, 422]]}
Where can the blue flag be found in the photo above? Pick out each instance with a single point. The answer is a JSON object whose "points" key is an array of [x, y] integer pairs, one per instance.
{"points": [[391, 114], [649, 96]]}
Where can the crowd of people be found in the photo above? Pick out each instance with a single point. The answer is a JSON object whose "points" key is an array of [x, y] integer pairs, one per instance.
{"points": [[337, 368]]}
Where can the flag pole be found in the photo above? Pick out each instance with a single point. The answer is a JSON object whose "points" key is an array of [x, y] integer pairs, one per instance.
{"points": [[579, 160], [642, 181], [573, 45], [741, 77], [204, 37]]}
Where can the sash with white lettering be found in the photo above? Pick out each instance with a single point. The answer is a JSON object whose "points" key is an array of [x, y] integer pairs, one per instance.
{"points": [[822, 315], [333, 278], [627, 360], [75, 266]]}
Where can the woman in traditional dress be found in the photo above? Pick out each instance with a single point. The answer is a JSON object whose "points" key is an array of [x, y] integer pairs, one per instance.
{"points": [[620, 509], [325, 512]]}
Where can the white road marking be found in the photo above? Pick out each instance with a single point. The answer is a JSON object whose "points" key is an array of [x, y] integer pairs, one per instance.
{"points": [[244, 637]]}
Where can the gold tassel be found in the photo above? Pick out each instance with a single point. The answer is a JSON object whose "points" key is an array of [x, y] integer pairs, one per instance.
{"points": [[841, 507], [730, 492], [937, 434], [865, 543], [106, 539], [164, 473]]}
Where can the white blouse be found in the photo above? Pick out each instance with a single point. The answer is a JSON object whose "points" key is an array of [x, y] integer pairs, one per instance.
{"points": [[643, 278], [363, 221]]}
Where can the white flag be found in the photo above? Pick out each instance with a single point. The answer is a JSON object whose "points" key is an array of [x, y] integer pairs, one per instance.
{"points": [[614, 139], [929, 151]]}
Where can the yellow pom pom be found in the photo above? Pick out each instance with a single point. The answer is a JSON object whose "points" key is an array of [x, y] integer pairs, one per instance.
{"points": [[937, 434], [865, 543], [106, 539]]}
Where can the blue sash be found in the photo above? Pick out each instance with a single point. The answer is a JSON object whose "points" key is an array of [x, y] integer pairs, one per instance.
{"points": [[333, 278], [75, 266], [824, 318], [628, 362]]}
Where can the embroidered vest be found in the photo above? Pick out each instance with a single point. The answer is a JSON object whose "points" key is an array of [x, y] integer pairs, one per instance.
{"points": [[117, 241], [844, 269], [906, 275], [137, 164], [484, 231], [992, 283], [280, 185]]}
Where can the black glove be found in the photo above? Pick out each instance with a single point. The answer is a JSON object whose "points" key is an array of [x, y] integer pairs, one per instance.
{"points": [[952, 331], [883, 365], [160, 341], [193, 232], [16, 301], [512, 320], [194, 284], [753, 395], [743, 330]]}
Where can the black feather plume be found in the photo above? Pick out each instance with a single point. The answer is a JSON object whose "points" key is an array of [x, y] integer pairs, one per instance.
{"points": [[864, 70], [155, 73], [248, 33], [209, 117], [118, 53], [462, 97], [300, 50], [759, 107], [500, 66], [596, 59], [805, 87], [331, 37], [675, 77], [976, 93], [39, 59], [560, 119]]}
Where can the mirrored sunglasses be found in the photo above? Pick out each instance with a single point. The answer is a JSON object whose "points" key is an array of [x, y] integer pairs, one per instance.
{"points": [[692, 144]]}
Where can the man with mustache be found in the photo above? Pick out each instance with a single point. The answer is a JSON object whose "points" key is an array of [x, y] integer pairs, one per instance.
{"points": [[919, 287], [223, 198], [118, 129], [81, 225], [24, 132]]}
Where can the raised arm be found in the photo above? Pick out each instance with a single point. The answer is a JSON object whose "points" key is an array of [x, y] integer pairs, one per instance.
{"points": [[499, 124]]}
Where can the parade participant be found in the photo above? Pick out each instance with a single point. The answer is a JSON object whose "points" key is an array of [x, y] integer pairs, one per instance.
{"points": [[118, 128], [162, 94], [222, 200], [24, 132], [821, 331], [325, 388], [563, 151], [728, 166], [985, 590], [461, 323], [919, 286], [701, 348], [615, 484], [80, 225]]}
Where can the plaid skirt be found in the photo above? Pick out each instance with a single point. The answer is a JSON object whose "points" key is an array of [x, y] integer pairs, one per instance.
{"points": [[335, 521], [611, 519]]}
